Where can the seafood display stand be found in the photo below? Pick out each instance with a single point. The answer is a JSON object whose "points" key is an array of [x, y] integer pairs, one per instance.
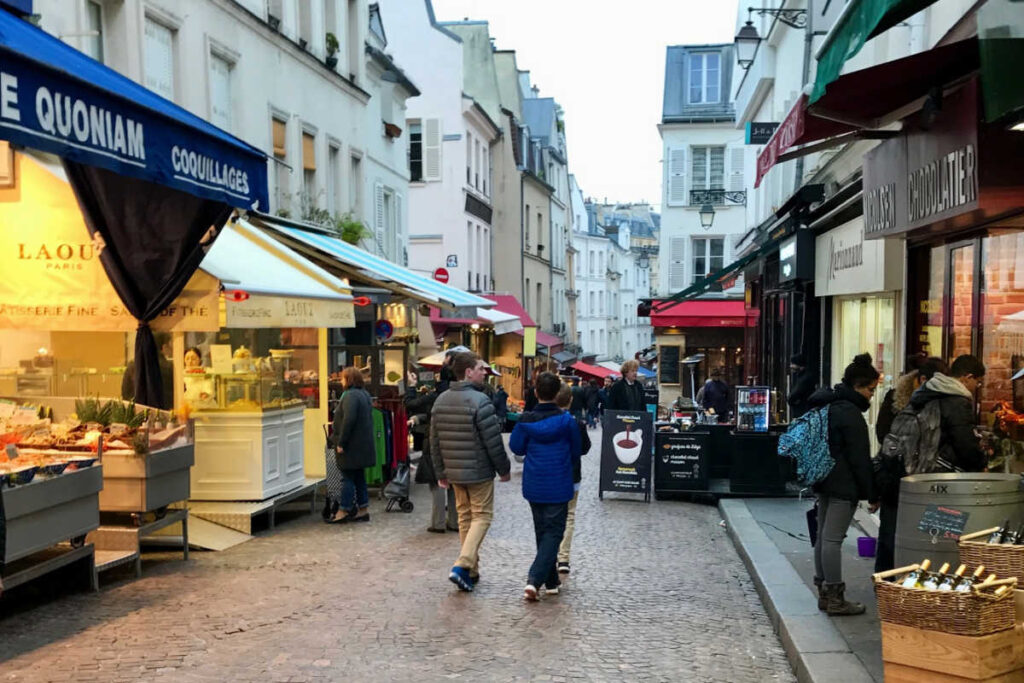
{"points": [[47, 521]]}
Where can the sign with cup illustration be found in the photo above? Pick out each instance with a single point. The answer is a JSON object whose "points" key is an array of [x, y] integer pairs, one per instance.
{"points": [[626, 440]]}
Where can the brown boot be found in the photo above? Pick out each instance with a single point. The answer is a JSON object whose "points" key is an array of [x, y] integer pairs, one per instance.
{"points": [[837, 605], [822, 600]]}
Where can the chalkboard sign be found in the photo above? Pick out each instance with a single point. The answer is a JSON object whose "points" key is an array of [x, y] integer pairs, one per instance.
{"points": [[943, 522], [668, 365], [681, 461]]}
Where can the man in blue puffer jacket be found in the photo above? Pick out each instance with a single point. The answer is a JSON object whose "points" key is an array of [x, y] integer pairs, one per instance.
{"points": [[550, 440]]}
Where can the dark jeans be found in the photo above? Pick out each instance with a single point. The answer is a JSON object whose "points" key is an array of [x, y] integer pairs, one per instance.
{"points": [[353, 490], [549, 527], [885, 554], [593, 416]]}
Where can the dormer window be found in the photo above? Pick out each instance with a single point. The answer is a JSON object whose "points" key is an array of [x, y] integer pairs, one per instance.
{"points": [[705, 77]]}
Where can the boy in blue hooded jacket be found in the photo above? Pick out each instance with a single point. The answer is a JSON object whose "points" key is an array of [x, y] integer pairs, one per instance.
{"points": [[550, 441]]}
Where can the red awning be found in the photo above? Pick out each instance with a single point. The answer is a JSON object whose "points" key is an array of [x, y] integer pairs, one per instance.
{"points": [[702, 313], [593, 370], [548, 340], [506, 303], [798, 128]]}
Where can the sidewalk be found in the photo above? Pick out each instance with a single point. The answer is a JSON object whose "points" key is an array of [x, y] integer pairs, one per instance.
{"points": [[771, 538]]}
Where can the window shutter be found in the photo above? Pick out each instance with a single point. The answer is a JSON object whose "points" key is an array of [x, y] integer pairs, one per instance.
{"points": [[677, 176], [432, 149], [398, 231], [280, 135], [378, 215], [677, 264], [308, 152], [220, 92], [159, 59], [736, 181]]}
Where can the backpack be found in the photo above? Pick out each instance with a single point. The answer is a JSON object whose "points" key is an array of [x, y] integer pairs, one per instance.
{"points": [[806, 441], [913, 441]]}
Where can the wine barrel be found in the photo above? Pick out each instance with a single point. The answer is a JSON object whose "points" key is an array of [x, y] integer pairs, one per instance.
{"points": [[983, 499]]}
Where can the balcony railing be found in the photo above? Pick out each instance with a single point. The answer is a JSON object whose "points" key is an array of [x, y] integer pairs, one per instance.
{"points": [[718, 197]]}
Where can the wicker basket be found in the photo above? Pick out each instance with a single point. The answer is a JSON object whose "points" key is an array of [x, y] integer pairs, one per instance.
{"points": [[977, 613], [1001, 560]]}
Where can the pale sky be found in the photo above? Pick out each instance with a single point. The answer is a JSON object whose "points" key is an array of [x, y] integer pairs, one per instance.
{"points": [[604, 62]]}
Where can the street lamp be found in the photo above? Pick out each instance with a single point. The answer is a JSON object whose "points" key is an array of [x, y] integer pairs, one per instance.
{"points": [[707, 216], [644, 261], [746, 42]]}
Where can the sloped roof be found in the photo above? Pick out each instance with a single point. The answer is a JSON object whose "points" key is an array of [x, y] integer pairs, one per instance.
{"points": [[539, 116], [675, 108]]}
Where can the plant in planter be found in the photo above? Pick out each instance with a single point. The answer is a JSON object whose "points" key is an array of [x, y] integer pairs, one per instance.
{"points": [[331, 42]]}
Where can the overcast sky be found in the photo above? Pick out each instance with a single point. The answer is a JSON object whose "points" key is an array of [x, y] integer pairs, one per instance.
{"points": [[604, 62]]}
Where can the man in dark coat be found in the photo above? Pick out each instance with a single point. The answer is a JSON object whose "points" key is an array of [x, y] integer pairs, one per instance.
{"points": [[716, 396], [501, 405], [801, 387], [959, 443], [627, 393]]}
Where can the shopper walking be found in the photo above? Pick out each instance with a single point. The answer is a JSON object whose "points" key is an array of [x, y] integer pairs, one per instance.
{"points": [[593, 396], [627, 393], [501, 405], [353, 444], [418, 407], [887, 475], [849, 481], [467, 451], [563, 400], [549, 439]]}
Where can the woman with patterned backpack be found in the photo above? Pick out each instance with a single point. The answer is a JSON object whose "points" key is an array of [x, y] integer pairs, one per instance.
{"points": [[849, 481]]}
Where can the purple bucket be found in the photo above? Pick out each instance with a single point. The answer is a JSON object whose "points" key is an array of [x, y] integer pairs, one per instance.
{"points": [[866, 546]]}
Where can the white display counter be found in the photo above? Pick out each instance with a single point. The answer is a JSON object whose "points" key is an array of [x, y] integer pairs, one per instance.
{"points": [[248, 455]]}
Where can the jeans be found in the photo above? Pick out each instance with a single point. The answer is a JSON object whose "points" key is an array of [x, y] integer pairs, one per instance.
{"points": [[570, 525], [475, 503], [834, 517], [885, 555], [549, 527], [353, 490], [439, 517]]}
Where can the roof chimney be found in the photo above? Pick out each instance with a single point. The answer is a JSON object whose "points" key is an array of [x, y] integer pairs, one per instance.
{"points": [[535, 90]]}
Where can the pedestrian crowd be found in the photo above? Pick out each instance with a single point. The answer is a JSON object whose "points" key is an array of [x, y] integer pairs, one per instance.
{"points": [[926, 423]]}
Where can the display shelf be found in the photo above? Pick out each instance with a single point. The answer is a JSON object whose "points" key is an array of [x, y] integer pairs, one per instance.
{"points": [[43, 562]]}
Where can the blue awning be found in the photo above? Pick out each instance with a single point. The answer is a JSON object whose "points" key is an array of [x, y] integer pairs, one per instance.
{"points": [[56, 99], [356, 261]]}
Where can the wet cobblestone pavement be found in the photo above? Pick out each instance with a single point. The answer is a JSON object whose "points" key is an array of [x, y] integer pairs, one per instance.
{"points": [[657, 592]]}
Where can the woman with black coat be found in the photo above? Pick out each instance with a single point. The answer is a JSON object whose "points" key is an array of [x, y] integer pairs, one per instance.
{"points": [[355, 450], [418, 407], [851, 479]]}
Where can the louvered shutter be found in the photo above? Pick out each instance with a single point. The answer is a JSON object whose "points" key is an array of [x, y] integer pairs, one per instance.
{"points": [[677, 176], [397, 241], [432, 149], [378, 215], [736, 181], [677, 264]]}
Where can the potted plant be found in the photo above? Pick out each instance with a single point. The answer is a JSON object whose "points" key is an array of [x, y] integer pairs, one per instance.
{"points": [[331, 41], [351, 230]]}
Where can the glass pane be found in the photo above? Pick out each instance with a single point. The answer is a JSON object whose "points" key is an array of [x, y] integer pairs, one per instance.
{"points": [[717, 168], [962, 328], [711, 78], [1002, 320], [696, 77], [932, 309], [699, 267], [699, 168], [717, 246]]}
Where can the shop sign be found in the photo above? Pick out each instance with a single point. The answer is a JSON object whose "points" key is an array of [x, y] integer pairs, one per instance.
{"points": [[626, 447], [759, 133], [52, 275], [845, 263], [926, 176], [795, 257], [789, 131], [259, 312]]}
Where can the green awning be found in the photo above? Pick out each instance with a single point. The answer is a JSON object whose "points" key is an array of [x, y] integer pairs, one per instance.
{"points": [[860, 21], [703, 285], [1001, 43]]}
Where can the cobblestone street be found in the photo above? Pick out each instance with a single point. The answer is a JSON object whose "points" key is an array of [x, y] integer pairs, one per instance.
{"points": [[657, 593]]}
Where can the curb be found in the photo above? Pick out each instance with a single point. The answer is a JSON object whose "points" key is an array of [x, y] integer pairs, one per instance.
{"points": [[815, 648]]}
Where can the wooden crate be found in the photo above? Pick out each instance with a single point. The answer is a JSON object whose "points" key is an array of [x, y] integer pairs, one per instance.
{"points": [[960, 658], [898, 673]]}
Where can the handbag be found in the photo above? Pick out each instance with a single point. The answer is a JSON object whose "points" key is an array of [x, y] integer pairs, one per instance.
{"points": [[812, 524]]}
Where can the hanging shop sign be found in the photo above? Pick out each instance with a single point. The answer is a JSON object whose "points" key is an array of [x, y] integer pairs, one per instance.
{"points": [[71, 106], [53, 278], [759, 133], [626, 445], [796, 257], [950, 175], [846, 263], [260, 312]]}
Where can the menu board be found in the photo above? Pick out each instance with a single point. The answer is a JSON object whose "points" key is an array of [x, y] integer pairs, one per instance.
{"points": [[626, 452], [668, 365], [681, 461], [942, 522]]}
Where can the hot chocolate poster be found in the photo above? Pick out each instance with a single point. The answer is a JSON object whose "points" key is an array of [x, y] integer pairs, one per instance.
{"points": [[626, 446]]}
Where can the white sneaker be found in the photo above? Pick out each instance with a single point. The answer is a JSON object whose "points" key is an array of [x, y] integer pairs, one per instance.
{"points": [[551, 591], [530, 593]]}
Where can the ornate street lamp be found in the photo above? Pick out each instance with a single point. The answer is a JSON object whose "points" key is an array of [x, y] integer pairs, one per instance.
{"points": [[644, 261], [707, 216], [746, 42]]}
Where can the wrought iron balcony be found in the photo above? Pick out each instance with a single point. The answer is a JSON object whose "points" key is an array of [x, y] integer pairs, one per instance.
{"points": [[718, 197]]}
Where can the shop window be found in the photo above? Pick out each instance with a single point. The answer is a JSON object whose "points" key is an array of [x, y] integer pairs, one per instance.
{"points": [[1002, 320], [962, 280]]}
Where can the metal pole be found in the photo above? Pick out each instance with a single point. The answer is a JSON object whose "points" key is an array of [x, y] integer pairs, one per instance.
{"points": [[808, 44]]}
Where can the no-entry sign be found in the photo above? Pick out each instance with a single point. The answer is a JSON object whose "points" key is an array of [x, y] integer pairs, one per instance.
{"points": [[441, 275]]}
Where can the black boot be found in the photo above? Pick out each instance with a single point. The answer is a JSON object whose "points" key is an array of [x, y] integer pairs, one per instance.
{"points": [[822, 600], [837, 605]]}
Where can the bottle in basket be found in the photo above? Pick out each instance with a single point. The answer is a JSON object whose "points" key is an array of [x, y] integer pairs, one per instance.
{"points": [[1001, 591], [1013, 536], [932, 582], [913, 579], [965, 583], [997, 535], [952, 580]]}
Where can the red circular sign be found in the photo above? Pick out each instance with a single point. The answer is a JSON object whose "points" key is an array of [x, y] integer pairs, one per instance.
{"points": [[441, 275]]}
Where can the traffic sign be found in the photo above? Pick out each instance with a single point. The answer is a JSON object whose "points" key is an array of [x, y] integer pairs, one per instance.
{"points": [[441, 275]]}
